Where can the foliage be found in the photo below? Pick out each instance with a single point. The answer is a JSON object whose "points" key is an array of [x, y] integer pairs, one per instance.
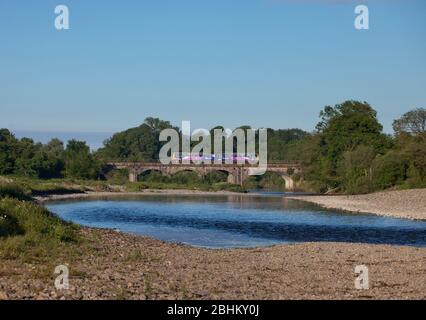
{"points": [[8, 151], [268, 181], [79, 162], [25, 158], [118, 176], [216, 177], [281, 144], [412, 122], [214, 181], [136, 144], [341, 131], [389, 170]]}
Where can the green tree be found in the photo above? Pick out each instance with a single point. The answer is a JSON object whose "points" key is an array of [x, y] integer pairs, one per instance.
{"points": [[356, 169], [282, 144], [136, 144], [412, 122], [342, 128], [79, 162], [390, 169], [8, 151]]}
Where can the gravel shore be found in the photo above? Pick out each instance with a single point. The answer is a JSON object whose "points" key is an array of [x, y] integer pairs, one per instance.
{"points": [[409, 204], [114, 265], [119, 266]]}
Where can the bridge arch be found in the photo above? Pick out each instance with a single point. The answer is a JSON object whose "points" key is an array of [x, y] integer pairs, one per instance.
{"points": [[288, 180], [146, 171], [174, 172], [230, 176], [237, 174]]}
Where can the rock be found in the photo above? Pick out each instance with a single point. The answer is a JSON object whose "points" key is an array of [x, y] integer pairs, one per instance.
{"points": [[3, 296]]}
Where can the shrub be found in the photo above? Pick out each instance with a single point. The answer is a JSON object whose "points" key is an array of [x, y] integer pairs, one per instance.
{"points": [[389, 170]]}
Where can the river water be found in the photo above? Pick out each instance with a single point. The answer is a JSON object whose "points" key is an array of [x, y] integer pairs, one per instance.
{"points": [[237, 221]]}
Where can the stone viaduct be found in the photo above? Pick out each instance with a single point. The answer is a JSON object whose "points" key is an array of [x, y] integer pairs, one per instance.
{"points": [[237, 173]]}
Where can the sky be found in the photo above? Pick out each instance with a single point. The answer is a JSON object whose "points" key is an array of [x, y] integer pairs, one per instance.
{"points": [[264, 63]]}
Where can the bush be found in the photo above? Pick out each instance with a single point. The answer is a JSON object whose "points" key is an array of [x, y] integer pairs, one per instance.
{"points": [[389, 170], [357, 181], [186, 178], [216, 177], [153, 176], [120, 176], [9, 225]]}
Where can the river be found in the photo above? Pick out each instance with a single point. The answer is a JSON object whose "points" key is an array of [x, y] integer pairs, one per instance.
{"points": [[237, 221]]}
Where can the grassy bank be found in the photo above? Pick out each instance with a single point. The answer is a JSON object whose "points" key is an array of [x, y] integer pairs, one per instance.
{"points": [[31, 233], [25, 188]]}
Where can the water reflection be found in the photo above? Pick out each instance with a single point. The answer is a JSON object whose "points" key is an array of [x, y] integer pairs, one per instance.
{"points": [[237, 220]]}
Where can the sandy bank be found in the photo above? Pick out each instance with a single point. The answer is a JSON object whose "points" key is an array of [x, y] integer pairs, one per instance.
{"points": [[409, 204]]}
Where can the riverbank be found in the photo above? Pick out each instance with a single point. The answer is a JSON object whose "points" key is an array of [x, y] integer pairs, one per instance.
{"points": [[112, 265], [105, 264], [95, 194], [409, 204]]}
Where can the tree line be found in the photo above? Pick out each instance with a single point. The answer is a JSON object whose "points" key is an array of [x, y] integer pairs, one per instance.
{"points": [[347, 151], [24, 157]]}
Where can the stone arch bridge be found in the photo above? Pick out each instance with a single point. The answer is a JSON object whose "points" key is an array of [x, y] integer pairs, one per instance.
{"points": [[237, 173]]}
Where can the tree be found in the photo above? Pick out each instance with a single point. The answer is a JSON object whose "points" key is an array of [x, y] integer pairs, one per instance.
{"points": [[8, 151], [282, 143], [356, 169], [343, 128], [25, 164], [79, 162], [349, 125], [390, 169], [136, 144], [26, 158], [55, 147], [412, 122]]}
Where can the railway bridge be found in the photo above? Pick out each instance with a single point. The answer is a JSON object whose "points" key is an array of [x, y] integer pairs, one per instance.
{"points": [[237, 173]]}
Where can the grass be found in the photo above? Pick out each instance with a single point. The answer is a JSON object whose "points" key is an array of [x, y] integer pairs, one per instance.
{"points": [[135, 256], [13, 190], [25, 188], [31, 232]]}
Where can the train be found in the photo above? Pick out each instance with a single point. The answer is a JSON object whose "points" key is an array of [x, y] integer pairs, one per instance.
{"points": [[234, 157]]}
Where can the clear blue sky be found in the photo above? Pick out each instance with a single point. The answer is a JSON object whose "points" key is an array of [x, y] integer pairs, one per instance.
{"points": [[265, 63]]}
